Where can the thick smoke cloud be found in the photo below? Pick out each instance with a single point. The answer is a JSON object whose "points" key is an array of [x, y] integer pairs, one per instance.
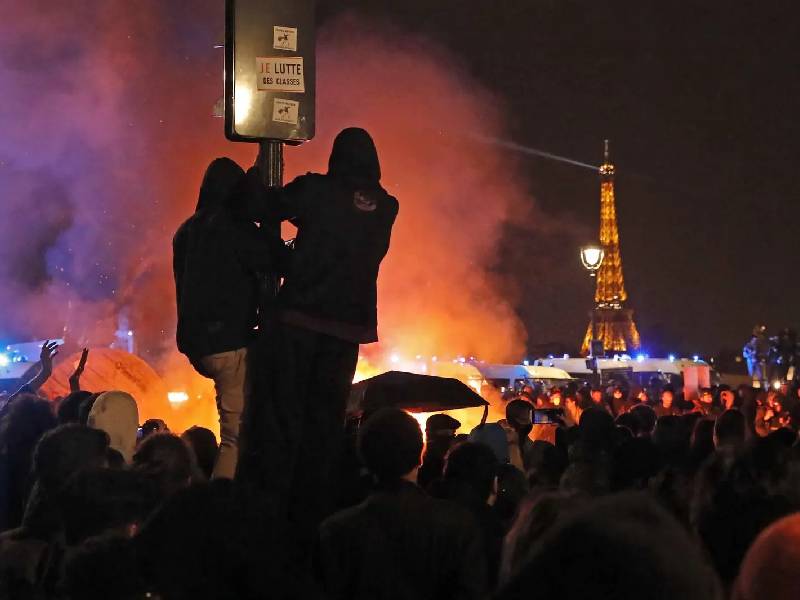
{"points": [[107, 128], [437, 293]]}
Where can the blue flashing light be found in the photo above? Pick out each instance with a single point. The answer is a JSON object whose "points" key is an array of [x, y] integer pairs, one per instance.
{"points": [[4, 360], [696, 358], [640, 357], [526, 362], [671, 358]]}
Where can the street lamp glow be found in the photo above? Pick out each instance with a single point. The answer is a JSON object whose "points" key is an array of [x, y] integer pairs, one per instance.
{"points": [[592, 257]]}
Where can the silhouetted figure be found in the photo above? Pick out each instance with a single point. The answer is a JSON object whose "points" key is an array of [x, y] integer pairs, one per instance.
{"points": [[730, 429], [470, 480], [204, 445], [167, 462], [28, 418], [400, 544], [217, 254], [440, 431], [508, 438], [326, 307]]}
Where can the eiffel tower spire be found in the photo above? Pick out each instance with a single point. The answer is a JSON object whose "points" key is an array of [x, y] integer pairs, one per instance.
{"points": [[610, 321]]}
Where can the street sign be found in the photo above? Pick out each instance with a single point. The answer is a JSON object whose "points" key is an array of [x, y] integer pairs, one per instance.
{"points": [[269, 70]]}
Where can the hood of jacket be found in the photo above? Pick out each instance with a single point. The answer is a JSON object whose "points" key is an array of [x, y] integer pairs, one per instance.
{"points": [[220, 181], [354, 158], [116, 413]]}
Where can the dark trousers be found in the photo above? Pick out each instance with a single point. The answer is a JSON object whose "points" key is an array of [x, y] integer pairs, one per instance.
{"points": [[293, 428]]}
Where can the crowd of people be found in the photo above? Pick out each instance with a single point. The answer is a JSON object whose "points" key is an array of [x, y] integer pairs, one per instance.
{"points": [[767, 408], [576, 493], [625, 501]]}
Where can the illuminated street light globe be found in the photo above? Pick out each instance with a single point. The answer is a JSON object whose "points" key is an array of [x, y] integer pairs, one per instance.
{"points": [[592, 258]]}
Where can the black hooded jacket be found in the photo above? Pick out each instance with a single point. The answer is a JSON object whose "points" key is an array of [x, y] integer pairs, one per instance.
{"points": [[344, 222], [216, 256]]}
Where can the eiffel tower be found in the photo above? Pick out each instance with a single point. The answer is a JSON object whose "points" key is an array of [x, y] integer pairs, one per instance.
{"points": [[610, 322]]}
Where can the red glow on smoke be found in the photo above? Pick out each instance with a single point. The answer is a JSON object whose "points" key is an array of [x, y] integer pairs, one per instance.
{"points": [[108, 129]]}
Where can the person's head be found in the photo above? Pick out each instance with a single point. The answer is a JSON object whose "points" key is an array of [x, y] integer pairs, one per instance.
{"points": [[441, 426], [97, 501], [726, 397], [572, 407], [66, 450], [769, 569], [773, 397], [69, 408], [596, 428], [643, 396], [646, 419], [667, 397], [519, 414], [354, 157], [116, 413], [555, 397], [546, 465], [671, 437], [617, 393], [730, 429], [472, 465], [166, 460], [634, 463], [101, 568], [204, 445], [152, 426], [221, 180], [706, 397], [597, 395], [390, 444], [640, 550], [28, 418]]}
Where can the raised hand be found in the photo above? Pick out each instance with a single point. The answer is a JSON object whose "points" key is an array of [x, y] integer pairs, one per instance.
{"points": [[75, 378], [49, 350]]}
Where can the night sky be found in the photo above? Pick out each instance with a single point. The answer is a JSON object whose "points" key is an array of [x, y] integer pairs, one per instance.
{"points": [[699, 100]]}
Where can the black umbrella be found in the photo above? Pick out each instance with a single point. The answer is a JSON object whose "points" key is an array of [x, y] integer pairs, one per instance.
{"points": [[412, 392]]}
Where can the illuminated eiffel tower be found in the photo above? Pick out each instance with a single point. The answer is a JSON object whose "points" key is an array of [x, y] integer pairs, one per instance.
{"points": [[610, 322]]}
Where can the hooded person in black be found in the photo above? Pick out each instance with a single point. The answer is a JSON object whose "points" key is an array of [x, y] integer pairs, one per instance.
{"points": [[217, 254], [326, 307]]}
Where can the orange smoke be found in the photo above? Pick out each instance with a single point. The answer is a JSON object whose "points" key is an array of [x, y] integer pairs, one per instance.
{"points": [[437, 292], [148, 81]]}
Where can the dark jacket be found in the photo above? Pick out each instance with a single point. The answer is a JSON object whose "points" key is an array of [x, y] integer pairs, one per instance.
{"points": [[344, 222], [216, 258], [402, 544]]}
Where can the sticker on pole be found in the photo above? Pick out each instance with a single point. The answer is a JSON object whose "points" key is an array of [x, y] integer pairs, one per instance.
{"points": [[280, 74], [285, 111], [284, 38]]}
